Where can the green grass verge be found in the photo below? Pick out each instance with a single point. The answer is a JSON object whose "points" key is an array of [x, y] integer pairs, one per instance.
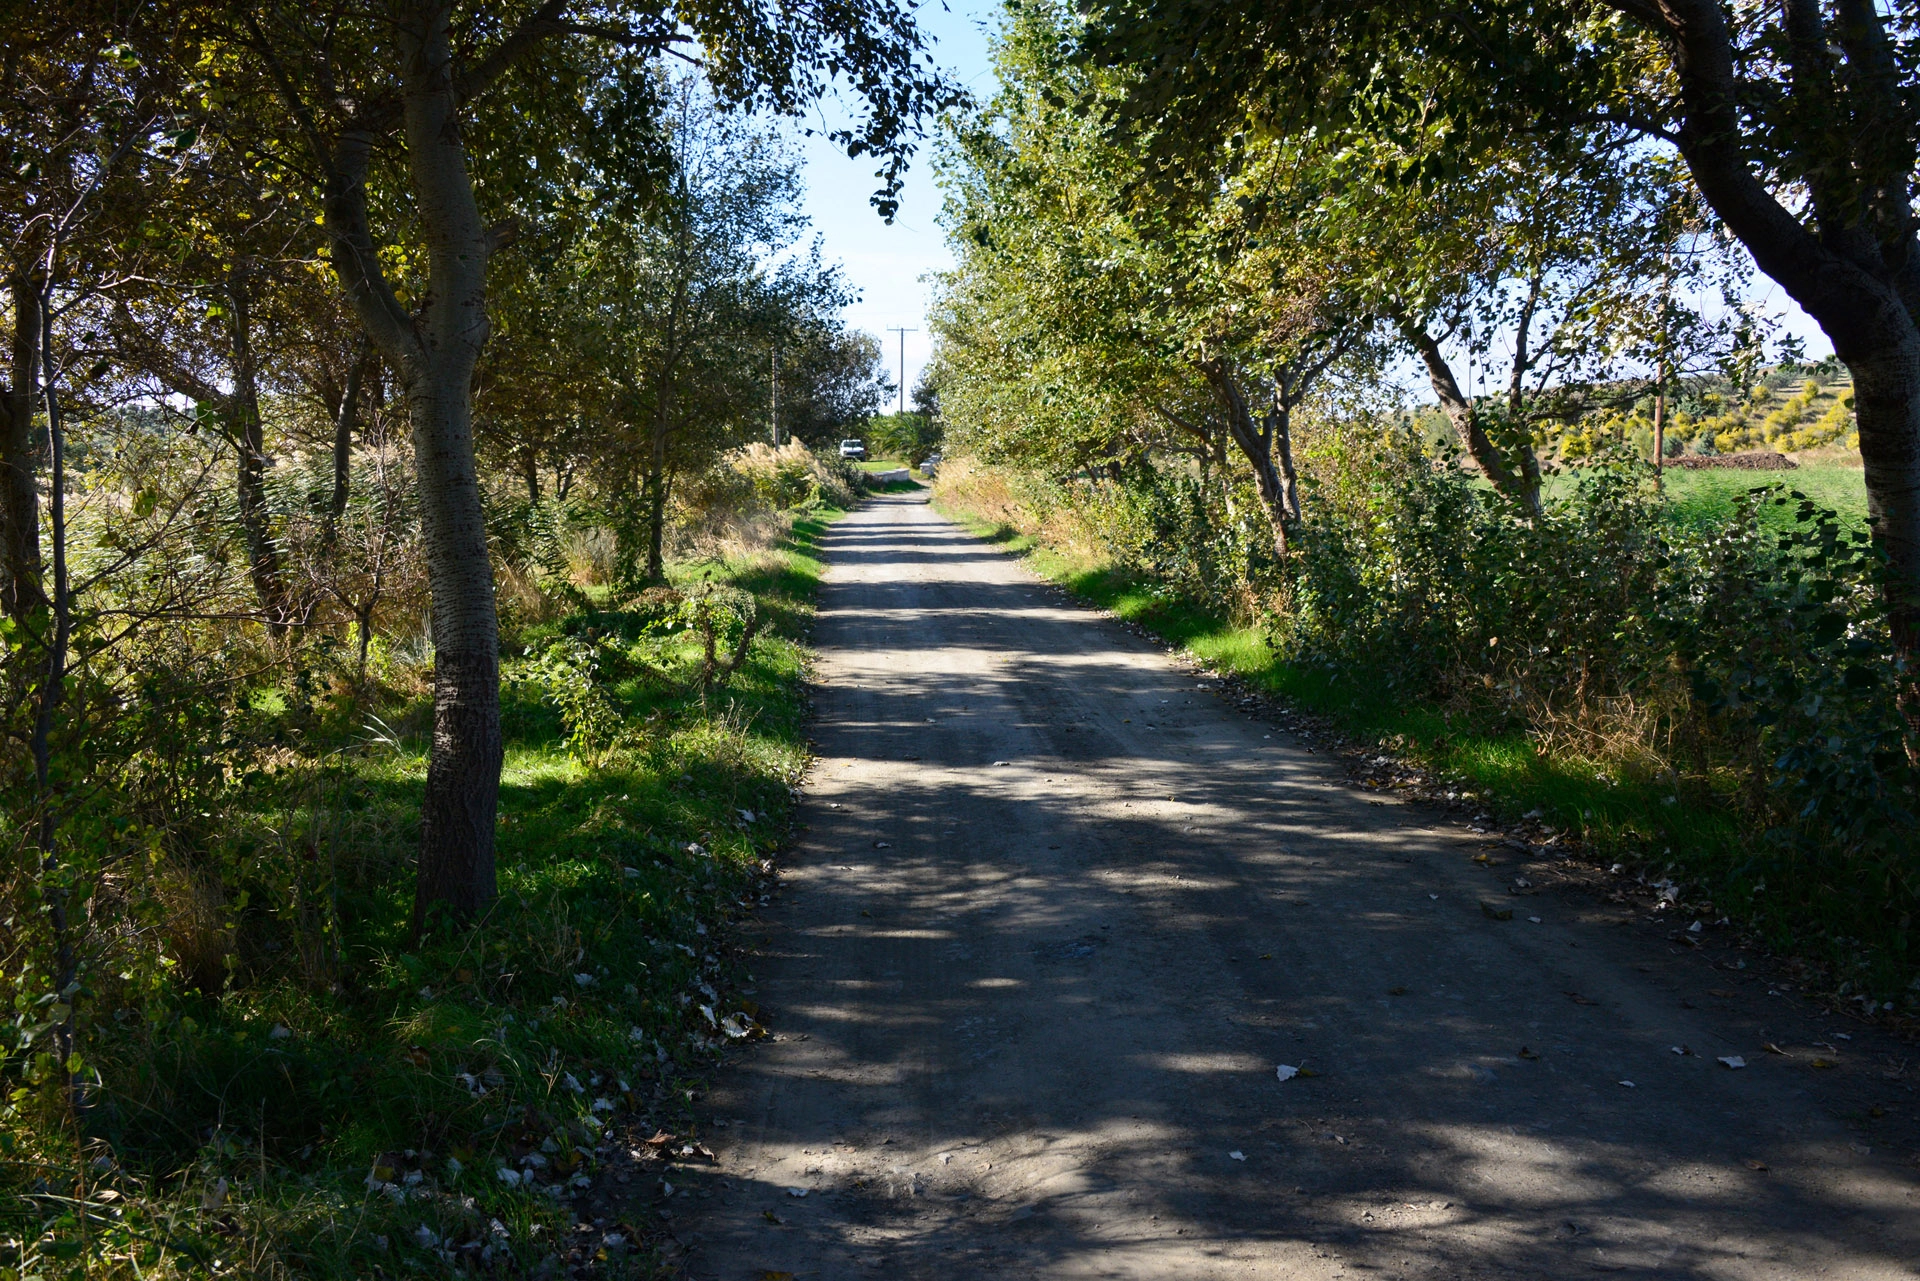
{"points": [[345, 1102]]}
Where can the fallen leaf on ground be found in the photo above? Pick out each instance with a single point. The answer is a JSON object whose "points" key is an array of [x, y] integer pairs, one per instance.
{"points": [[1237, 1155], [1758, 1165], [1525, 1053], [1823, 1063], [1771, 1048], [1733, 1060], [771, 1217], [1628, 1084], [796, 1192], [1286, 1072]]}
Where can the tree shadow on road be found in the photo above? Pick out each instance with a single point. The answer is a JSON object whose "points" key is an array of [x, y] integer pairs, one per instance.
{"points": [[1046, 944]]}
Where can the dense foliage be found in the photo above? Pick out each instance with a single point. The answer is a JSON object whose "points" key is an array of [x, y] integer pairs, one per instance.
{"points": [[1189, 357], [381, 419]]}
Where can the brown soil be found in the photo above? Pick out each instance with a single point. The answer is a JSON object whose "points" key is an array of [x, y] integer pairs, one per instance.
{"points": [[1757, 460]]}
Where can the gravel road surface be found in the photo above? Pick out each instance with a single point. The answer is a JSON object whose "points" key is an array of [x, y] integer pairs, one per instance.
{"points": [[1060, 913]]}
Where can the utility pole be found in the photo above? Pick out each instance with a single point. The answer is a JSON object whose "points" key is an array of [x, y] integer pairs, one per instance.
{"points": [[1661, 372], [903, 363], [774, 416]]}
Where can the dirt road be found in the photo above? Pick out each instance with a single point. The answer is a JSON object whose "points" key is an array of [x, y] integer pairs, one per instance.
{"points": [[1060, 915]]}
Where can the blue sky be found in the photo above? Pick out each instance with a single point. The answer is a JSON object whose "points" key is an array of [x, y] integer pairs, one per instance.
{"points": [[889, 264]]}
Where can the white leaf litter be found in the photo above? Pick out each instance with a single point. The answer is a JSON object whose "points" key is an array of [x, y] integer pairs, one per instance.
{"points": [[1237, 1155], [1628, 1084], [1733, 1060], [1434, 897], [1534, 919], [736, 1025], [796, 1192], [1286, 1071]]}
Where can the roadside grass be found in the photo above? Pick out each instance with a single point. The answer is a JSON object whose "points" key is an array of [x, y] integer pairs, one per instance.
{"points": [[1642, 821], [347, 1102]]}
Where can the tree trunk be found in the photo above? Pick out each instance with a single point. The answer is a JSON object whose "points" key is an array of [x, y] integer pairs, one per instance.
{"points": [[53, 683], [1660, 432], [463, 775], [1886, 406], [1256, 446], [433, 352], [1280, 430], [22, 588], [530, 473], [249, 442], [657, 483], [656, 522], [346, 425], [1523, 487]]}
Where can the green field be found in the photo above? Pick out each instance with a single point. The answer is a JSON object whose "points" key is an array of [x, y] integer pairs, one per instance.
{"points": [[1703, 499]]}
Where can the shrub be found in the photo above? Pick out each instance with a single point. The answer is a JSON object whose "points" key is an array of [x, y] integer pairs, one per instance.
{"points": [[1745, 669]]}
